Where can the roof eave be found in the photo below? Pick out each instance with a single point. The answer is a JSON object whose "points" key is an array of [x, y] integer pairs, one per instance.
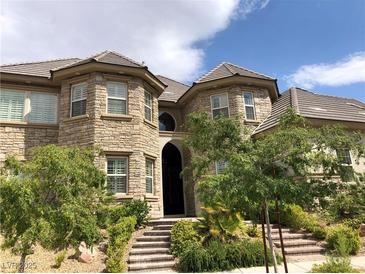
{"points": [[25, 78]]}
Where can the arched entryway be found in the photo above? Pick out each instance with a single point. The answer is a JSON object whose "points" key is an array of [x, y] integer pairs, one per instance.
{"points": [[173, 193]]}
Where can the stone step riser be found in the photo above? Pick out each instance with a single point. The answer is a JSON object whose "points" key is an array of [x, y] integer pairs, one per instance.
{"points": [[295, 244], [290, 237], [156, 223], [145, 251], [157, 233], [296, 251], [154, 239], [162, 227], [150, 266], [142, 245], [150, 258]]}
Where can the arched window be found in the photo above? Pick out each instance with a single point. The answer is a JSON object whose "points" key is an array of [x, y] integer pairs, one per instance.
{"points": [[166, 122]]}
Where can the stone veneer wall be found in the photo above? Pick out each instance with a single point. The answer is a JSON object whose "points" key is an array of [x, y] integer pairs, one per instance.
{"points": [[19, 140], [201, 103]]}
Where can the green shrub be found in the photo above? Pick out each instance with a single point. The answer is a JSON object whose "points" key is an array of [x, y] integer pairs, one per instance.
{"points": [[354, 223], [339, 235], [253, 231], [60, 258], [334, 265], [183, 236], [119, 234], [137, 208], [218, 256], [295, 217]]}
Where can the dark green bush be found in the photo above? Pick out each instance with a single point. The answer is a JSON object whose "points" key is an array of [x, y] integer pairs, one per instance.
{"points": [[218, 256], [354, 223], [340, 235], [334, 265], [138, 208], [183, 236], [119, 234]]}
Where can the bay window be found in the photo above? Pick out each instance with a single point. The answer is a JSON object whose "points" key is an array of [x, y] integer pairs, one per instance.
{"points": [[78, 99], [149, 176], [249, 106], [148, 106], [117, 97], [117, 174], [219, 105]]}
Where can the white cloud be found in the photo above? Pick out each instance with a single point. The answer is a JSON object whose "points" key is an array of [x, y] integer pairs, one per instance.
{"points": [[347, 71], [162, 33]]}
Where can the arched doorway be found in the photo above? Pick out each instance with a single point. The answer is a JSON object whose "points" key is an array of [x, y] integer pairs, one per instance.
{"points": [[173, 195], [166, 122]]}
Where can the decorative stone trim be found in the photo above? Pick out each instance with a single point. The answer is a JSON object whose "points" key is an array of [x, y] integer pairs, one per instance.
{"points": [[116, 117], [31, 125], [80, 117], [154, 126], [117, 153]]}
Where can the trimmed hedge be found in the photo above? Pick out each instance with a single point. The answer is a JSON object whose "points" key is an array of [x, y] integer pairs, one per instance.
{"points": [[217, 256], [120, 234], [340, 237], [183, 236]]}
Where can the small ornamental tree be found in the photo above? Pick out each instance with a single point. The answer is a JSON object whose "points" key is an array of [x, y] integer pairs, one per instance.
{"points": [[50, 200], [278, 164]]}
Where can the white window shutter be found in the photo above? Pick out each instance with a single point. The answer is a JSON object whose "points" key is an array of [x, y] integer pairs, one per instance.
{"points": [[12, 105], [43, 108]]}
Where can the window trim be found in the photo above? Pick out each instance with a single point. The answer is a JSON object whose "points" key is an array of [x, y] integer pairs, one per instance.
{"points": [[114, 175], [71, 101], [150, 107], [211, 103], [116, 98], [27, 107], [152, 177], [253, 105]]}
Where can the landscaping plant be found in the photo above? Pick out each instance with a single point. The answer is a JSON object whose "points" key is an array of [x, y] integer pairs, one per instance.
{"points": [[341, 235], [183, 237]]}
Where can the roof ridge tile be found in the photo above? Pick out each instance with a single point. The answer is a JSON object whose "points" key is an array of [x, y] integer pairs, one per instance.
{"points": [[172, 80], [127, 58], [250, 70], [39, 62], [209, 72]]}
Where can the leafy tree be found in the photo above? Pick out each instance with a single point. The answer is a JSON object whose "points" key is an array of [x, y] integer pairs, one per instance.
{"points": [[50, 200], [280, 163]]}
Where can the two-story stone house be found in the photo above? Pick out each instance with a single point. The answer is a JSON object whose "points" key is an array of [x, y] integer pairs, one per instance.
{"points": [[137, 118]]}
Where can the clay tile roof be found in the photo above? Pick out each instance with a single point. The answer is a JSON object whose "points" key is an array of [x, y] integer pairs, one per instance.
{"points": [[174, 89], [226, 69], [109, 57], [316, 106], [41, 69]]}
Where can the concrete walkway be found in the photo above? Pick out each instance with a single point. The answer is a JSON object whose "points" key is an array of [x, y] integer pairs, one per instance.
{"points": [[357, 262]]}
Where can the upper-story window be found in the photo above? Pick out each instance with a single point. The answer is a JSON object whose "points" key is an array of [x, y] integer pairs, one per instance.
{"points": [[117, 97], [78, 99], [344, 156], [166, 122], [117, 174], [149, 176], [26, 106], [249, 106], [219, 105], [148, 106]]}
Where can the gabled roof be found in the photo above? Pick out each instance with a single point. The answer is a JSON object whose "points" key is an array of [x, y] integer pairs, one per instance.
{"points": [[226, 69], [107, 57], [41, 69], [174, 89], [315, 106]]}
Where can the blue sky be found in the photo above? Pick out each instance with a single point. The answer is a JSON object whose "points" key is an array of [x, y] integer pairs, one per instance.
{"points": [[286, 35], [314, 44]]}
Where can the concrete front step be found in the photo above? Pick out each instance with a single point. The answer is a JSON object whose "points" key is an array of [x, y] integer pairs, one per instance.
{"points": [[283, 230], [150, 258], [162, 227], [298, 242], [289, 236], [150, 244], [304, 250], [162, 222], [146, 251], [157, 233], [150, 266], [153, 239]]}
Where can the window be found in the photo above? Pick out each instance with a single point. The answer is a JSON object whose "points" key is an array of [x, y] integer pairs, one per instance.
{"points": [[26, 106], [149, 176], [249, 106], [12, 105], [43, 108], [78, 100], [117, 98], [117, 173], [147, 106], [220, 166], [219, 104], [166, 122], [344, 156]]}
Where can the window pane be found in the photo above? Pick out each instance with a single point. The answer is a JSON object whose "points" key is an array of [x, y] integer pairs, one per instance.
{"points": [[216, 101], [166, 122], [224, 101], [117, 184], [147, 99], [248, 98], [79, 92], [220, 112], [149, 185], [250, 113], [220, 166], [78, 108], [117, 90], [149, 168], [43, 108], [116, 106], [344, 156], [11, 105], [147, 113]]}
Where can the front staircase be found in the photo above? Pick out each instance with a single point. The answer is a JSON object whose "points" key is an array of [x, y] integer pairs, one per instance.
{"points": [[297, 244], [150, 252]]}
